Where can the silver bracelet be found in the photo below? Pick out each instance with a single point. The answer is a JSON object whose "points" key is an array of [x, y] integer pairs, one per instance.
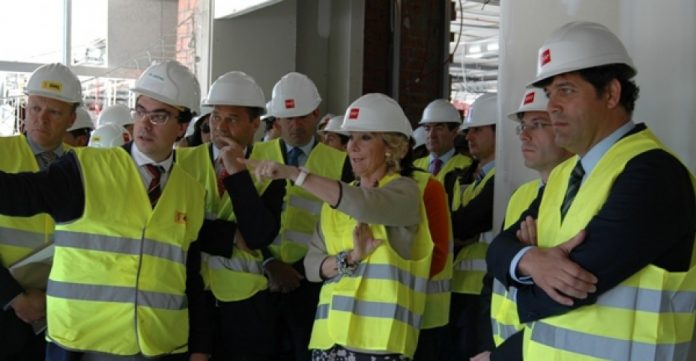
{"points": [[344, 269]]}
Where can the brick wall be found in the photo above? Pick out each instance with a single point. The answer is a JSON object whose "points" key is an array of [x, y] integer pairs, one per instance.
{"points": [[420, 56]]}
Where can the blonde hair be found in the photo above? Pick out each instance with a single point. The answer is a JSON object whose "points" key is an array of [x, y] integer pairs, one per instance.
{"points": [[397, 146]]}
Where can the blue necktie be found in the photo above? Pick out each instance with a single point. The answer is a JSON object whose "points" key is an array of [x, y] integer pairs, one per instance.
{"points": [[436, 166], [294, 156], [573, 187], [45, 159]]}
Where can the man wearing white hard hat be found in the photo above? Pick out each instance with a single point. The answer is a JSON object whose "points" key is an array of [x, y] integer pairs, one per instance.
{"points": [[78, 134], [240, 221], [125, 261], [118, 114], [332, 135], [472, 225], [541, 154], [53, 94], [441, 122], [610, 276], [295, 103]]}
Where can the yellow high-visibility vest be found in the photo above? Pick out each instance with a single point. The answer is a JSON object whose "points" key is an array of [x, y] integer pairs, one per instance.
{"points": [[649, 316], [439, 292], [457, 162], [234, 278], [300, 208], [380, 307], [470, 263], [504, 318], [19, 236], [118, 280]]}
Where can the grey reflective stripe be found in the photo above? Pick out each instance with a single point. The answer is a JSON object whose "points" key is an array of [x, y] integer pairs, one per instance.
{"points": [[276, 240], [387, 272], [376, 309], [308, 205], [499, 289], [471, 265], [97, 242], [235, 263], [297, 237], [503, 330], [19, 238], [322, 312], [643, 299], [606, 347], [77, 291], [439, 286]]}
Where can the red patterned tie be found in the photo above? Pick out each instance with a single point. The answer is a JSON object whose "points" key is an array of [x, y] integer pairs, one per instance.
{"points": [[221, 175], [154, 190]]}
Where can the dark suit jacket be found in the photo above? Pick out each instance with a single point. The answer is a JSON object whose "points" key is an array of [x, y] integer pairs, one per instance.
{"points": [[649, 217]]}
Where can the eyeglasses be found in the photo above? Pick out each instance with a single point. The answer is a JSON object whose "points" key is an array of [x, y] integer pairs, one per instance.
{"points": [[205, 128], [530, 127], [155, 117]]}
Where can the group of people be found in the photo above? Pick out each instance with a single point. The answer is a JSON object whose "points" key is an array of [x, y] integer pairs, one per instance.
{"points": [[340, 244]]}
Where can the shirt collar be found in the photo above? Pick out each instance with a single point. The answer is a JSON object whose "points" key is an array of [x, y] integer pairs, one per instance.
{"points": [[36, 149], [590, 160], [488, 167], [306, 149], [444, 158], [141, 159]]}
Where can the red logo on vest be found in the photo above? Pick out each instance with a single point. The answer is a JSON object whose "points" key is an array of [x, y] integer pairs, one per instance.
{"points": [[354, 113], [289, 103], [529, 98], [545, 57]]}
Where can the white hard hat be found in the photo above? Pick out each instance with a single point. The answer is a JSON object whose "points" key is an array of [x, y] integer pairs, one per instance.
{"points": [[580, 45], [294, 95], [205, 110], [235, 88], [419, 135], [171, 83], [376, 112], [534, 100], [118, 114], [55, 81], [483, 111], [268, 112], [333, 125], [324, 120], [82, 120], [440, 111], [108, 136]]}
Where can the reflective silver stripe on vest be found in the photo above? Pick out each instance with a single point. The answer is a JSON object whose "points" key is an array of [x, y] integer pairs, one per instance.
{"points": [[499, 289], [503, 330], [322, 312], [642, 299], [76, 291], [297, 237], [97, 242], [308, 205], [387, 272], [606, 347], [376, 309], [471, 265], [439, 286], [19, 238], [236, 264]]}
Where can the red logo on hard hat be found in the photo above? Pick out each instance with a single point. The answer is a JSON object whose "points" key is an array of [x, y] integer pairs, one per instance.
{"points": [[545, 57], [289, 103], [354, 113], [529, 98]]}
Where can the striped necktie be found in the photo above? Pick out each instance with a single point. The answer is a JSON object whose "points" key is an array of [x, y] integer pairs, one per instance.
{"points": [[436, 166], [45, 159], [573, 186], [294, 156], [479, 177], [154, 190]]}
